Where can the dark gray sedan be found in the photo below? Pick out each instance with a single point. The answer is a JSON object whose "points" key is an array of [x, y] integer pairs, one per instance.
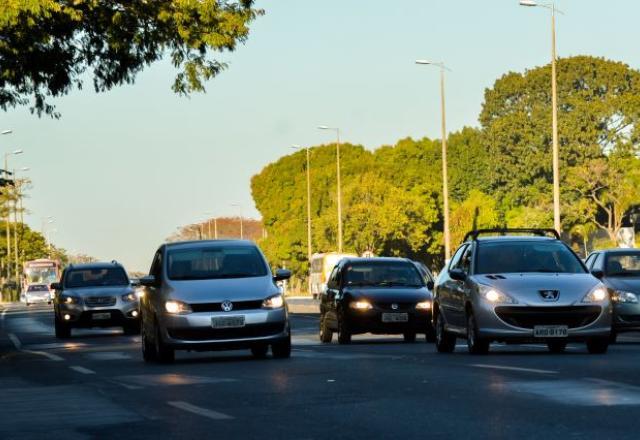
{"points": [[619, 270]]}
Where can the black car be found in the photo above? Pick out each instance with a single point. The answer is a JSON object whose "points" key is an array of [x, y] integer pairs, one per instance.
{"points": [[375, 295], [619, 270]]}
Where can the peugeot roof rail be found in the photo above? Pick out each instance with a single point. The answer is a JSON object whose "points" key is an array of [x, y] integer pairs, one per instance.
{"points": [[473, 235]]}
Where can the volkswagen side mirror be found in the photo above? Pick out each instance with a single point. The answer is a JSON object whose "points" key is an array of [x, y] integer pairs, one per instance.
{"points": [[281, 275], [149, 281]]}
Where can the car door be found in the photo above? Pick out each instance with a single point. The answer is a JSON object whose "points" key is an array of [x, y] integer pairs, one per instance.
{"points": [[151, 293], [447, 287], [328, 300], [460, 289]]}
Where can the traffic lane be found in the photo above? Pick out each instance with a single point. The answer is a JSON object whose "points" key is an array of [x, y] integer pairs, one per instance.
{"points": [[368, 388]]}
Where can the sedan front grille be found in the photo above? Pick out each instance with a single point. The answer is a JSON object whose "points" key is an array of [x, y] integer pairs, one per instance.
{"points": [[400, 306], [217, 306], [212, 334], [100, 301], [529, 317]]}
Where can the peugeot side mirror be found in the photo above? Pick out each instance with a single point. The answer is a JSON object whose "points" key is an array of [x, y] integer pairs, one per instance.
{"points": [[149, 281], [281, 275], [598, 273], [457, 274], [56, 286]]}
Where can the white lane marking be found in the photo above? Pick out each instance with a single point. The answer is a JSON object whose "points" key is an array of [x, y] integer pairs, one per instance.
{"points": [[15, 340], [508, 368], [50, 356], [204, 412], [82, 370]]}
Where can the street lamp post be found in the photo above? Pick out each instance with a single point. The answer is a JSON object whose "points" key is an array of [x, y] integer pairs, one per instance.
{"points": [[309, 250], [554, 111], [18, 208], [445, 180], [337, 130], [241, 220], [8, 219]]}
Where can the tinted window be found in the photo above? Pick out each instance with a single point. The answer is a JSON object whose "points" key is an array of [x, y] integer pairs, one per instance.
{"points": [[526, 256], [381, 273], [214, 262], [590, 260], [38, 288], [456, 257], [623, 264], [112, 276]]}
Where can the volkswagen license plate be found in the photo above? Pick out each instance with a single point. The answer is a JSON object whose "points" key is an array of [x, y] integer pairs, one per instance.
{"points": [[550, 331], [227, 321], [395, 317], [97, 316]]}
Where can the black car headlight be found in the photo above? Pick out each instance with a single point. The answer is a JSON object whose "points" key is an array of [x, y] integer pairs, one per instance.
{"points": [[621, 296]]}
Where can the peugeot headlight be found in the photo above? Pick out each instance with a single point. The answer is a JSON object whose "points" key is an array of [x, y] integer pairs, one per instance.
{"points": [[177, 307], [423, 305], [494, 296], [129, 297], [273, 302], [621, 296], [68, 299], [360, 305], [597, 294]]}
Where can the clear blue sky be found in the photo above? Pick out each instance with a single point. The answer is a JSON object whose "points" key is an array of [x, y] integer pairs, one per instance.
{"points": [[121, 170]]}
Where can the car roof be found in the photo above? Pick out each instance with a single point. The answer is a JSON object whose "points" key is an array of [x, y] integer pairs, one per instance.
{"points": [[619, 250], [95, 265], [374, 259], [514, 238], [196, 244]]}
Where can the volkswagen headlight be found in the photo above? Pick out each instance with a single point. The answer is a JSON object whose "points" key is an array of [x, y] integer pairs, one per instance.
{"points": [[360, 305], [494, 296], [423, 305], [621, 296], [597, 294], [177, 307], [273, 302]]}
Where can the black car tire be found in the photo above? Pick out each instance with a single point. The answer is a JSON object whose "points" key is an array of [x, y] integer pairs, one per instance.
{"points": [[326, 334], [132, 328], [282, 349], [475, 344], [597, 345], [556, 346], [149, 353], [166, 354], [445, 341], [344, 335], [409, 337], [430, 335], [613, 337], [260, 351], [63, 331]]}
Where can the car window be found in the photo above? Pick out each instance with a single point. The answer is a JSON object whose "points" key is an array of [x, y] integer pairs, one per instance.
{"points": [[156, 266], [590, 260], [332, 278], [215, 262], [625, 264], [96, 277], [456, 257], [526, 256], [465, 260], [598, 262], [382, 273], [38, 288]]}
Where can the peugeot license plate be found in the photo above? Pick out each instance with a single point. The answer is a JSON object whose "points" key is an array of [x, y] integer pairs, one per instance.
{"points": [[227, 321], [550, 331], [97, 316], [395, 317]]}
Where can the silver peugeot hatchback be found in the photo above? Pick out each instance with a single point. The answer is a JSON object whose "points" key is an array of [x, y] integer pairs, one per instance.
{"points": [[525, 288], [213, 295]]}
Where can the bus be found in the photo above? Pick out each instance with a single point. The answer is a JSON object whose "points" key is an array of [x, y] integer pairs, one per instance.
{"points": [[42, 271], [321, 267]]}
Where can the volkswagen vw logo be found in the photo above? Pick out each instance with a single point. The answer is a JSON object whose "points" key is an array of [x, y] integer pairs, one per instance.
{"points": [[227, 306], [549, 295], [394, 306]]}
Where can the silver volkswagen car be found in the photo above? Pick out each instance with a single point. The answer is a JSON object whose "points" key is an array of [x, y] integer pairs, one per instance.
{"points": [[530, 287], [213, 295]]}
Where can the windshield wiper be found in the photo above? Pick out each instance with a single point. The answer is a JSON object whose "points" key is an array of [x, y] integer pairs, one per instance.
{"points": [[396, 283]]}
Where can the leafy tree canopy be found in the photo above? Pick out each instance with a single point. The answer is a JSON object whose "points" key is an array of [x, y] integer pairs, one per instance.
{"points": [[48, 45]]}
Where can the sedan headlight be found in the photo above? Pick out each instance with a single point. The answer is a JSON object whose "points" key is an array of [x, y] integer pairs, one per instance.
{"points": [[177, 307], [129, 297], [621, 296], [494, 296], [597, 294], [424, 305], [273, 302], [360, 305], [68, 299]]}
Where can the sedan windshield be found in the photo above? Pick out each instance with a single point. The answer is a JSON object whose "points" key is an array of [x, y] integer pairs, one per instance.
{"points": [[625, 264], [382, 273], [215, 262], [96, 277], [526, 256], [38, 288]]}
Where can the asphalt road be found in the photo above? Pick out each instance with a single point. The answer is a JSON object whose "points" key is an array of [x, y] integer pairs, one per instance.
{"points": [[97, 386]]}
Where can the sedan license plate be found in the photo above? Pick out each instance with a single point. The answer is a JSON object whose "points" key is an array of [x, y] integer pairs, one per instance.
{"points": [[395, 317], [550, 331], [227, 321], [101, 315]]}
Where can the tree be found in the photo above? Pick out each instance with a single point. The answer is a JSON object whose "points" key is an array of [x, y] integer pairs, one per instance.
{"points": [[477, 211], [48, 46]]}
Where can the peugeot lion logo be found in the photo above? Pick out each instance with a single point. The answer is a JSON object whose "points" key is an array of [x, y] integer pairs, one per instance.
{"points": [[549, 295], [227, 306], [394, 306]]}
